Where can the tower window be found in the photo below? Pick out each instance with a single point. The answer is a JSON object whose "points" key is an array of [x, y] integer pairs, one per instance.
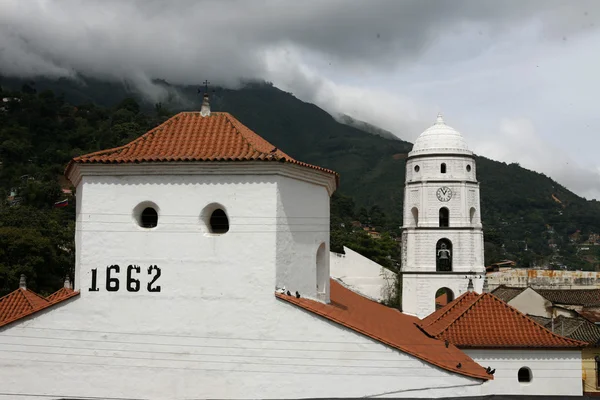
{"points": [[443, 168], [444, 217], [524, 375], [443, 255], [415, 216], [322, 272], [472, 215], [443, 296], [417, 168], [468, 168], [219, 223]]}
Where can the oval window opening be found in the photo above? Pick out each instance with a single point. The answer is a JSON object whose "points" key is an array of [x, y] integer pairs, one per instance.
{"points": [[219, 223], [468, 168], [149, 218], [417, 168], [524, 375]]}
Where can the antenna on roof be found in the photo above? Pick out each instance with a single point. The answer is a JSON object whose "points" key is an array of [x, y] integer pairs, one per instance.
{"points": [[205, 108]]}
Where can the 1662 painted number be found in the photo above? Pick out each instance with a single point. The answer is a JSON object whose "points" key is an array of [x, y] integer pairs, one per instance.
{"points": [[133, 284]]}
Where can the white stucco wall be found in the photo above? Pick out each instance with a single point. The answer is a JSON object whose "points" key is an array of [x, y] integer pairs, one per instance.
{"points": [[362, 275], [531, 302], [544, 279], [555, 372], [215, 330]]}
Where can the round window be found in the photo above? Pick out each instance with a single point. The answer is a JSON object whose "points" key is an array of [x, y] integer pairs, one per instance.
{"points": [[468, 168], [215, 219], [417, 168], [146, 214], [524, 375], [219, 223]]}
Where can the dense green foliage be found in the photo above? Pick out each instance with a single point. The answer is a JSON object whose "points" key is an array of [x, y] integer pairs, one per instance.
{"points": [[43, 130]]}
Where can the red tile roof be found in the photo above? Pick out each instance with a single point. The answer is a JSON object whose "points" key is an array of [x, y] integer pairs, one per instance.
{"points": [[389, 326], [484, 321], [188, 136], [61, 293], [23, 302]]}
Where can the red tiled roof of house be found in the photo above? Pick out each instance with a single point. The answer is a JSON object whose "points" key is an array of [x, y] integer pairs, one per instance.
{"points": [[23, 302], [61, 293], [484, 321], [389, 326], [188, 136]]}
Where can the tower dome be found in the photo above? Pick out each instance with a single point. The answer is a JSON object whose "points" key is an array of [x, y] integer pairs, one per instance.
{"points": [[440, 139]]}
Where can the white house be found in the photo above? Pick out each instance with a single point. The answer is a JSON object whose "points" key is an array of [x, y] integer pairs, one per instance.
{"points": [[527, 358], [362, 275], [442, 238], [202, 271]]}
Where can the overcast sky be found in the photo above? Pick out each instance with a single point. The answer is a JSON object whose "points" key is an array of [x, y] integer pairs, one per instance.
{"points": [[519, 79]]}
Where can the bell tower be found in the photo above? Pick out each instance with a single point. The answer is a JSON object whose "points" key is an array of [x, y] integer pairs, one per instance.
{"points": [[442, 235]]}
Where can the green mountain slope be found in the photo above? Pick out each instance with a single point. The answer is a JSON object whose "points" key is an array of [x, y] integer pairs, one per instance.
{"points": [[523, 211]]}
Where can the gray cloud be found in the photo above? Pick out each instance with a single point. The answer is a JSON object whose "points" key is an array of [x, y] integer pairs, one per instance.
{"points": [[390, 63]]}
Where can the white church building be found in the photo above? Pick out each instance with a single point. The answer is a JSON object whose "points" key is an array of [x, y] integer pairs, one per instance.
{"points": [[202, 271]]}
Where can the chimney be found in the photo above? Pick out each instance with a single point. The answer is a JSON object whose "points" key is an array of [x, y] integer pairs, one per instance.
{"points": [[23, 282], [67, 284], [205, 109], [486, 288], [470, 288]]}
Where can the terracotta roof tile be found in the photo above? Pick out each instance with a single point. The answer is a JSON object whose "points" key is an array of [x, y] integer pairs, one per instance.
{"points": [[188, 136], [575, 328], [22, 303], [583, 297], [388, 326], [59, 294], [484, 321], [591, 314]]}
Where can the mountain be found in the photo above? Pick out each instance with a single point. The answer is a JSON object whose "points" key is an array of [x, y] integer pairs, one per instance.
{"points": [[366, 127], [523, 212]]}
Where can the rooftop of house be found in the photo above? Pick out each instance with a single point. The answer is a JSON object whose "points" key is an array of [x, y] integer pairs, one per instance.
{"points": [[506, 293], [485, 321], [581, 297], [390, 327], [195, 136], [577, 328], [23, 302]]}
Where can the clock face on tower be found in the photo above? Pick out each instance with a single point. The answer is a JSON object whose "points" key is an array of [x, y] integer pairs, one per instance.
{"points": [[444, 193]]}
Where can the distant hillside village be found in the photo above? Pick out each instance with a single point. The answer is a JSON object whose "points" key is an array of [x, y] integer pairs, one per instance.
{"points": [[205, 267]]}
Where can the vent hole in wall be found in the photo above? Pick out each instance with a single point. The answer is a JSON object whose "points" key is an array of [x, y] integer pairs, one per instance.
{"points": [[215, 219], [146, 215], [219, 223]]}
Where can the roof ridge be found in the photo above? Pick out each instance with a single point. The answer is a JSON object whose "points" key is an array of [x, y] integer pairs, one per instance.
{"points": [[233, 122], [22, 292], [462, 313], [449, 307]]}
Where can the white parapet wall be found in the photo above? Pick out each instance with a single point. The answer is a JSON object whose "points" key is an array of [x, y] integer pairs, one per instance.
{"points": [[544, 279], [362, 275]]}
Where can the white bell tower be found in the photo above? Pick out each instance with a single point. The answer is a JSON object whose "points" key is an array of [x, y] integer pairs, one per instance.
{"points": [[442, 237]]}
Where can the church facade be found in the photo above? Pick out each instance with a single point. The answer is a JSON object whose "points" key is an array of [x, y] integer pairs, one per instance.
{"points": [[202, 271], [442, 239]]}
